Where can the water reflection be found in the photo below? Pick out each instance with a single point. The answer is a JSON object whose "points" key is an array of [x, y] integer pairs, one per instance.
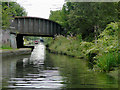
{"points": [[38, 54], [34, 73], [9, 67], [76, 74], [44, 70]]}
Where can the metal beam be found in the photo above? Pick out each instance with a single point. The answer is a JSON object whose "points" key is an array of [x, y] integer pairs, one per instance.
{"points": [[36, 26]]}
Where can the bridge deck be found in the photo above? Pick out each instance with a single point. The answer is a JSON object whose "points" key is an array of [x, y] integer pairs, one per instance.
{"points": [[36, 26]]}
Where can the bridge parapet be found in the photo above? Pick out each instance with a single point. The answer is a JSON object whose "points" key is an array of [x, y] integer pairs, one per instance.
{"points": [[36, 26]]}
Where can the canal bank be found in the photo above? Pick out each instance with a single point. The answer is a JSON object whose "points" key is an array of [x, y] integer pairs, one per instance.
{"points": [[113, 73], [98, 59], [64, 53], [58, 72], [11, 52]]}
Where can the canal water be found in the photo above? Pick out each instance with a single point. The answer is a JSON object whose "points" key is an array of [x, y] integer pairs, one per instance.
{"points": [[43, 70]]}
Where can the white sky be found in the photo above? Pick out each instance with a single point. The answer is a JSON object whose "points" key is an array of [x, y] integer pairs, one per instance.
{"points": [[40, 8]]}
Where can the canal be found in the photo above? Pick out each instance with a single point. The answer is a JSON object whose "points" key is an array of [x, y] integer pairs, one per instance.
{"points": [[44, 70]]}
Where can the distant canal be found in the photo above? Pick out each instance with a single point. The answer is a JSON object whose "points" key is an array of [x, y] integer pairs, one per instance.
{"points": [[43, 70]]}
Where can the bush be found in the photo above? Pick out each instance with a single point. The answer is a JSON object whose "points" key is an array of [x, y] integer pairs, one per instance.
{"points": [[103, 54], [107, 61]]}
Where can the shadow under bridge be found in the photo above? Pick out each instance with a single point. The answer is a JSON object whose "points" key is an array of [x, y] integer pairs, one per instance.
{"points": [[33, 26]]}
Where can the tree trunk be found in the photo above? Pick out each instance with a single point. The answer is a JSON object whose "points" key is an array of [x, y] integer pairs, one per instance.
{"points": [[95, 31]]}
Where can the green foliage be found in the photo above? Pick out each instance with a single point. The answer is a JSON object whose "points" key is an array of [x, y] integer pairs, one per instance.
{"points": [[86, 18], [90, 37], [65, 45], [104, 53], [5, 47], [55, 16], [48, 41], [109, 38], [108, 41], [59, 16], [107, 61], [79, 37], [6, 16], [9, 10], [111, 29]]}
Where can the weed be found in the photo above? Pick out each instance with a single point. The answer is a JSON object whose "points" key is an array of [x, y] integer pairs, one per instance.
{"points": [[107, 61], [5, 47]]}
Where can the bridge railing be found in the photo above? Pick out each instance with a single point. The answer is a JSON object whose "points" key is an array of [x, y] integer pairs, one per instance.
{"points": [[36, 26]]}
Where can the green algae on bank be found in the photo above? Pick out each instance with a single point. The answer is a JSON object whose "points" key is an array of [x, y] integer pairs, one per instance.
{"points": [[21, 51]]}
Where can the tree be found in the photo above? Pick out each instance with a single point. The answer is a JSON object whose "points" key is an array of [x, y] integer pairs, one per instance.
{"points": [[86, 18], [56, 16], [10, 10], [90, 17], [60, 16]]}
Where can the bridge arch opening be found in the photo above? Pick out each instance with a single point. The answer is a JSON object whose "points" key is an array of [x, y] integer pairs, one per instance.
{"points": [[34, 26]]}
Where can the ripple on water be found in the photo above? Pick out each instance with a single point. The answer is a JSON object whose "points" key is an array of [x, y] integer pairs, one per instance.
{"points": [[42, 79]]}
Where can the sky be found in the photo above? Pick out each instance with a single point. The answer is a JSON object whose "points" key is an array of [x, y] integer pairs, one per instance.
{"points": [[40, 8]]}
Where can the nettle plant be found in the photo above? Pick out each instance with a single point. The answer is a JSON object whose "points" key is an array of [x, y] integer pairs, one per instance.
{"points": [[108, 40]]}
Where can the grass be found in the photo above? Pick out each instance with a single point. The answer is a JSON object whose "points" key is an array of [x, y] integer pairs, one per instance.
{"points": [[5, 47], [103, 54], [73, 47], [107, 61], [66, 45]]}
